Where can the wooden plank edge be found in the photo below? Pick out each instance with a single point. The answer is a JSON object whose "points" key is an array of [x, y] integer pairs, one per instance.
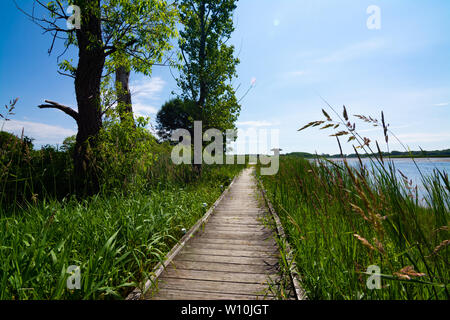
{"points": [[137, 293], [300, 293]]}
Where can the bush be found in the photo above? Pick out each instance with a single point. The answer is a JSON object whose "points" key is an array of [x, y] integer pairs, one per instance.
{"points": [[27, 175]]}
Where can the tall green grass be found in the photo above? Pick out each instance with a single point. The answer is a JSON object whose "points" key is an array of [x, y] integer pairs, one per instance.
{"points": [[117, 236], [116, 240], [341, 220]]}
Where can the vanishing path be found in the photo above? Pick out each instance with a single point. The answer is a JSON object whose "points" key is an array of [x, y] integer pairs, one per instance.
{"points": [[233, 257]]}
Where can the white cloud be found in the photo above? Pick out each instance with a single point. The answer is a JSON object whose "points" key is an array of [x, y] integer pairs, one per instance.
{"points": [[147, 88], [141, 109], [443, 104], [145, 93], [41, 132], [353, 51], [424, 137]]}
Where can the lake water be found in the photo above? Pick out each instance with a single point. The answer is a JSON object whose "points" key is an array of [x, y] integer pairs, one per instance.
{"points": [[409, 169]]}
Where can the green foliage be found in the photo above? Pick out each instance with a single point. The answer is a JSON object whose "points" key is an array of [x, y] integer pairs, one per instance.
{"points": [[9, 141], [175, 114], [136, 33], [125, 153], [209, 64], [144, 36], [69, 144], [27, 175]]}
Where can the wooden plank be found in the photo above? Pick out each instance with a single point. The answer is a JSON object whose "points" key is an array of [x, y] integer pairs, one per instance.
{"points": [[229, 253], [237, 230], [225, 267], [238, 235], [238, 247], [258, 278], [263, 232], [239, 211], [240, 229], [236, 221], [214, 286], [206, 239], [236, 226], [223, 259]]}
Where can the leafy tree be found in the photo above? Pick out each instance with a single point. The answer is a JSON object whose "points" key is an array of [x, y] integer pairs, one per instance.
{"points": [[126, 153], [175, 114], [209, 64], [152, 40], [111, 31]]}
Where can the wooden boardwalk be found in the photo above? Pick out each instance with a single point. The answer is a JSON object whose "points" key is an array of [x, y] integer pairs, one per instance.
{"points": [[233, 257]]}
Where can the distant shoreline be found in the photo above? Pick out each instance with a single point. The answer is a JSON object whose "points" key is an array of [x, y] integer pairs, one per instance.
{"points": [[392, 155], [433, 159]]}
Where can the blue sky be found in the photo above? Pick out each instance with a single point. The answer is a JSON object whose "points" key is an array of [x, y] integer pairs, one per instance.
{"points": [[297, 51]]}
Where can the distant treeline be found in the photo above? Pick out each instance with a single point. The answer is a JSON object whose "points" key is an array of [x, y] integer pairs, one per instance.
{"points": [[394, 154]]}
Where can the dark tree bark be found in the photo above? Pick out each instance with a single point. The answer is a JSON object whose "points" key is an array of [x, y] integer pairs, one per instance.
{"points": [[91, 60], [124, 95]]}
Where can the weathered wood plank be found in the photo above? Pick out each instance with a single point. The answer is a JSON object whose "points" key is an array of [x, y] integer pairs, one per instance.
{"points": [[238, 247], [236, 230], [238, 235], [229, 253], [243, 233], [236, 221], [235, 226], [206, 239], [223, 259], [225, 267], [257, 278], [214, 286]]}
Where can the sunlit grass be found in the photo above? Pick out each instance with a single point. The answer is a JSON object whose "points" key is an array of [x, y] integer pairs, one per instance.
{"points": [[339, 222], [116, 240]]}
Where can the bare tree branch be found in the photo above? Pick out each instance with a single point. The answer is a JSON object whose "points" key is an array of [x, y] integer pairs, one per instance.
{"points": [[66, 74], [56, 105]]}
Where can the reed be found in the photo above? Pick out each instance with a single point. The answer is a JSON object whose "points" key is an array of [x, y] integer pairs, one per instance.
{"points": [[340, 220]]}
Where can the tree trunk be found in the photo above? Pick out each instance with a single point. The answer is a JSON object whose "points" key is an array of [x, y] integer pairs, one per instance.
{"points": [[202, 82], [124, 95], [91, 60]]}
